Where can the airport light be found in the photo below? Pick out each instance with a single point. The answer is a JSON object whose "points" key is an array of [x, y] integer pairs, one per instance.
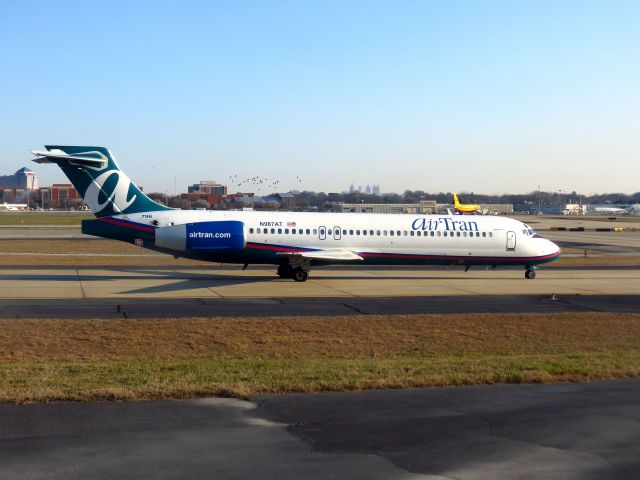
{"points": [[539, 200]]}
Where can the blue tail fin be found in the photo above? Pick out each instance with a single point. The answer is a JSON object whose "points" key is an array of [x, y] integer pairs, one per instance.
{"points": [[98, 178]]}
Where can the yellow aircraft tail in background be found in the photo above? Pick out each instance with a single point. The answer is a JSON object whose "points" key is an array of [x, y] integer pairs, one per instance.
{"points": [[465, 208]]}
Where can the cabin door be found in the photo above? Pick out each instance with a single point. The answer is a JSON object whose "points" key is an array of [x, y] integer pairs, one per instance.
{"points": [[511, 241], [322, 233], [337, 233]]}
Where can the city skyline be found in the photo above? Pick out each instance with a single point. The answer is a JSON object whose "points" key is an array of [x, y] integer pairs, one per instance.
{"points": [[492, 97]]}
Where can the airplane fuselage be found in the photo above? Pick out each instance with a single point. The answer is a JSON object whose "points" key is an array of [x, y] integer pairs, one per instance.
{"points": [[377, 238]]}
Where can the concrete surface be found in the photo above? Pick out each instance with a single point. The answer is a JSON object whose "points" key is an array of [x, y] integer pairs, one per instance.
{"points": [[585, 431], [174, 283]]}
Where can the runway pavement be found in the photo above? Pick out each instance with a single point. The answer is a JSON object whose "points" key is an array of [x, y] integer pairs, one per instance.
{"points": [[34, 232], [157, 292], [175, 283], [586, 431]]}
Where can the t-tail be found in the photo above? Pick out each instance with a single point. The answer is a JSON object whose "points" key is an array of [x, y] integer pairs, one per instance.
{"points": [[94, 172], [456, 202]]}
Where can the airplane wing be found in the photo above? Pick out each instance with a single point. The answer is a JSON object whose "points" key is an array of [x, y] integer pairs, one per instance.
{"points": [[328, 255]]}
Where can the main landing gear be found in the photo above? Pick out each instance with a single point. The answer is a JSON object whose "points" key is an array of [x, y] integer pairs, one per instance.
{"points": [[298, 274], [530, 272]]}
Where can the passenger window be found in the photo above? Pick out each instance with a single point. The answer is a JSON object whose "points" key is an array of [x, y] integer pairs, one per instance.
{"points": [[464, 234], [378, 232], [433, 234], [357, 232], [439, 233], [444, 234], [279, 231], [308, 231], [293, 231], [258, 230], [315, 231], [457, 234], [419, 233], [491, 234], [405, 233], [350, 232], [412, 233], [273, 230], [364, 232], [286, 230], [251, 230], [391, 232], [399, 233]]}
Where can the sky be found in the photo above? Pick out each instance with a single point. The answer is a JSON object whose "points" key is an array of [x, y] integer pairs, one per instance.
{"points": [[468, 96]]}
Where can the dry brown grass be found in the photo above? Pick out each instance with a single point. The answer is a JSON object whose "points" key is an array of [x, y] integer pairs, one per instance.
{"points": [[113, 253], [42, 360], [362, 335]]}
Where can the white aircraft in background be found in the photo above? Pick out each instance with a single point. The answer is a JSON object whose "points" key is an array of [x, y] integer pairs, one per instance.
{"points": [[13, 207], [293, 241], [619, 209]]}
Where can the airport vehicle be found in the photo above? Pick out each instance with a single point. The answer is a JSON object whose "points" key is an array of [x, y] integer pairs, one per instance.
{"points": [[294, 241], [465, 208]]}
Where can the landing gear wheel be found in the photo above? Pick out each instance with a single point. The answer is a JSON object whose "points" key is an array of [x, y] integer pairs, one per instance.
{"points": [[285, 271], [530, 274], [300, 275]]}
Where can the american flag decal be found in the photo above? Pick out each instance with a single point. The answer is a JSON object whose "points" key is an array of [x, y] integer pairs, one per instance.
{"points": [[291, 224]]}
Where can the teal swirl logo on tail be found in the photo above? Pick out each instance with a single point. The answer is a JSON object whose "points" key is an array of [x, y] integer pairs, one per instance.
{"points": [[96, 175]]}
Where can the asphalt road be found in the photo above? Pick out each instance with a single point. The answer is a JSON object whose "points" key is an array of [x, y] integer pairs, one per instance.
{"points": [[292, 306], [563, 431]]}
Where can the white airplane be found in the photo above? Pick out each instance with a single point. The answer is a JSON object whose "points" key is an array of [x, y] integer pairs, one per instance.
{"points": [[293, 241], [610, 209], [13, 207]]}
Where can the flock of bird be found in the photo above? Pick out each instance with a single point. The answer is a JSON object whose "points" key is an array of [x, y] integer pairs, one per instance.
{"points": [[257, 182]]}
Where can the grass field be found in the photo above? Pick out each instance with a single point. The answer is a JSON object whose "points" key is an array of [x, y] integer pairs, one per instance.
{"points": [[46, 360], [44, 218]]}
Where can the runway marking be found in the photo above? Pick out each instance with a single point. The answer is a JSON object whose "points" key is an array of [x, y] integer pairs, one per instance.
{"points": [[84, 295]]}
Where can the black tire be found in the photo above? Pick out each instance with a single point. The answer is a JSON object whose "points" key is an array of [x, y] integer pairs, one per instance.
{"points": [[300, 275], [530, 274], [284, 271]]}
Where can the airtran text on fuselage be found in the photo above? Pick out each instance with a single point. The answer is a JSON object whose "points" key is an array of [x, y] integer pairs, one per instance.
{"points": [[445, 224]]}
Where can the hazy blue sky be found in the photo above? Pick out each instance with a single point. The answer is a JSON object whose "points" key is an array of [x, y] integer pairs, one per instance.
{"points": [[482, 96]]}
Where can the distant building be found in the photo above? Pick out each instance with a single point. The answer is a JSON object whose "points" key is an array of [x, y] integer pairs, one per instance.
{"points": [[425, 206], [23, 178], [375, 190], [574, 209], [209, 187], [367, 189], [59, 195]]}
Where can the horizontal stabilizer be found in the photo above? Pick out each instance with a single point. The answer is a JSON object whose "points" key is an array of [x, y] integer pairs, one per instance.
{"points": [[44, 156], [329, 255]]}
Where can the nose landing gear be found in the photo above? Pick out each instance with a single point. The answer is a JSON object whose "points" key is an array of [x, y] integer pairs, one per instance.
{"points": [[530, 272]]}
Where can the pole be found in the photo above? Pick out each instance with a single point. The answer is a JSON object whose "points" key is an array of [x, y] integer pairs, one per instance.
{"points": [[539, 200]]}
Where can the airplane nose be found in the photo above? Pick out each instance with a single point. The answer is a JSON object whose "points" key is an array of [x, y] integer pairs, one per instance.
{"points": [[551, 248]]}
